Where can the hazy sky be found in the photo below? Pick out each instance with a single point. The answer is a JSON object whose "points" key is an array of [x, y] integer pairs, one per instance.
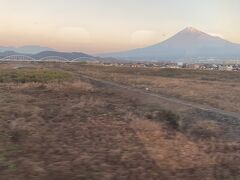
{"points": [[112, 25]]}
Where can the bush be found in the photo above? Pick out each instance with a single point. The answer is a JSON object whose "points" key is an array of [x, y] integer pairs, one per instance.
{"points": [[17, 135], [169, 117]]}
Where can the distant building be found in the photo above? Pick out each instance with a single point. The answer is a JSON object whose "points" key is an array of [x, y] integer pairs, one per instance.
{"points": [[225, 67], [193, 66], [180, 64]]}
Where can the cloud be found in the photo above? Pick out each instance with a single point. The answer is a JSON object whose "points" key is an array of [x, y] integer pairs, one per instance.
{"points": [[143, 37]]}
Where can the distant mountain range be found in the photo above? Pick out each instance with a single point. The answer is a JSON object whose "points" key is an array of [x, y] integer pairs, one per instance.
{"points": [[31, 49], [67, 55], [189, 43], [43, 54]]}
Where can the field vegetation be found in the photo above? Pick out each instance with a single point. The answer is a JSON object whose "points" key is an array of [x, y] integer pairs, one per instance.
{"points": [[56, 125], [32, 75], [213, 88]]}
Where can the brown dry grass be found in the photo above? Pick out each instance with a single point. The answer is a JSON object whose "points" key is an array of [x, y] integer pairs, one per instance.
{"points": [[63, 86], [76, 130], [181, 158], [220, 93], [67, 132]]}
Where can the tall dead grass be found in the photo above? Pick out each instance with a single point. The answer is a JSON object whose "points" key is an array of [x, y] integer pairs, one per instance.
{"points": [[55, 86], [171, 152]]}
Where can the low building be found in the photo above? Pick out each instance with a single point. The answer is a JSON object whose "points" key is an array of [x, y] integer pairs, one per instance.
{"points": [[225, 68], [193, 66]]}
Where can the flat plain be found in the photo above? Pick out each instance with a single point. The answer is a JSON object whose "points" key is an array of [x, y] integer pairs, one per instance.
{"points": [[77, 121]]}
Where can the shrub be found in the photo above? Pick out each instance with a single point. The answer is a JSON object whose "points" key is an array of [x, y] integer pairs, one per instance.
{"points": [[17, 135], [169, 117]]}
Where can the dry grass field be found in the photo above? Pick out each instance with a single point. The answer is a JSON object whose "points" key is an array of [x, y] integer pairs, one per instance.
{"points": [[54, 125], [214, 88]]}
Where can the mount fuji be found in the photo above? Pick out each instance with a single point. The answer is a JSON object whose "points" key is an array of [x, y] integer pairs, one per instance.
{"points": [[189, 43]]}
